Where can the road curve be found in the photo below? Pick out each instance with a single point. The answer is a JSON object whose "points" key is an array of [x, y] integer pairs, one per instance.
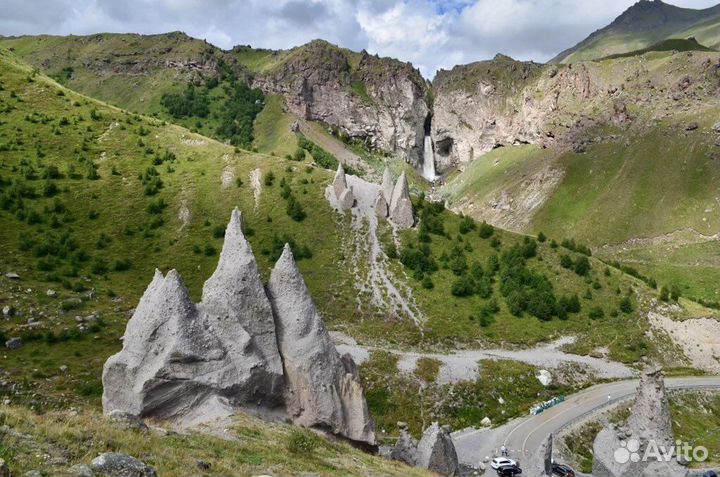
{"points": [[524, 436]]}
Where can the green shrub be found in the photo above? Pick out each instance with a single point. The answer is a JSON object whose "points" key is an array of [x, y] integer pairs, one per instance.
{"points": [[596, 313], [269, 178], [626, 305], [467, 224], [486, 230], [218, 231], [301, 442], [295, 210]]}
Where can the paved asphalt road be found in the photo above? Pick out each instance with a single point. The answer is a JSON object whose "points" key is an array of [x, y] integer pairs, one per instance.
{"points": [[524, 436]]}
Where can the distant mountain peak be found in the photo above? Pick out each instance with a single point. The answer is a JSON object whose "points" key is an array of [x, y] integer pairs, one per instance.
{"points": [[645, 23]]}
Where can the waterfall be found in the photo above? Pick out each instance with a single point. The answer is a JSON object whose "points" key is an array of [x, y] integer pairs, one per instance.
{"points": [[429, 160]]}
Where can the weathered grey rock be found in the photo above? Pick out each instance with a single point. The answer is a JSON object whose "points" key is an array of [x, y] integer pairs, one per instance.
{"points": [[114, 464], [544, 377], [339, 182], [127, 421], [182, 361], [4, 469], [547, 455], [12, 276], [406, 447], [14, 343], [323, 389], [8, 311], [436, 451], [347, 199], [51, 293], [649, 424], [387, 185], [401, 211], [317, 85], [81, 470], [237, 309], [381, 206]]}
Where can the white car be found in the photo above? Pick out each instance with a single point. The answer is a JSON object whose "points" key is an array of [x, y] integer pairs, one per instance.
{"points": [[498, 462]]}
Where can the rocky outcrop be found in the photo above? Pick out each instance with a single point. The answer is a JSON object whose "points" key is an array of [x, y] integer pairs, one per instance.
{"points": [[618, 451], [378, 100], [323, 389], [179, 358], [235, 350], [380, 206], [114, 464], [406, 447], [344, 194], [503, 102], [401, 211], [387, 186], [436, 451]]}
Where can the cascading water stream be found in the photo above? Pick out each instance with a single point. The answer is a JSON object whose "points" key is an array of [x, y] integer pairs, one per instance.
{"points": [[429, 160]]}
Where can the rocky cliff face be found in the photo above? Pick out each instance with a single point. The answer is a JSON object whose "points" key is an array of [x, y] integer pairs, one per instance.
{"points": [[379, 100], [502, 102], [235, 349]]}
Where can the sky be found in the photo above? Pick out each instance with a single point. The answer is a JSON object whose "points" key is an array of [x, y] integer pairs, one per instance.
{"points": [[431, 34]]}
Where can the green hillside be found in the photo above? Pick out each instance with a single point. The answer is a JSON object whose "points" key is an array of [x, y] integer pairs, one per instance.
{"points": [[93, 198], [689, 44], [646, 23]]}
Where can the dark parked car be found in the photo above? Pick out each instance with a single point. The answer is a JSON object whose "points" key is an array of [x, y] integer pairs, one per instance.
{"points": [[710, 473], [562, 470], [509, 470]]}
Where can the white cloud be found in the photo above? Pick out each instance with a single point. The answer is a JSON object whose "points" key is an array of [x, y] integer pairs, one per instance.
{"points": [[431, 34]]}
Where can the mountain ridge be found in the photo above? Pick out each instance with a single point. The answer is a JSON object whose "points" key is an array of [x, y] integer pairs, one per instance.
{"points": [[641, 25]]}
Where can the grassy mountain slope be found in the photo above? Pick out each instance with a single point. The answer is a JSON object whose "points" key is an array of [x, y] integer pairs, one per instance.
{"points": [[644, 24], [248, 446], [83, 214], [646, 166]]}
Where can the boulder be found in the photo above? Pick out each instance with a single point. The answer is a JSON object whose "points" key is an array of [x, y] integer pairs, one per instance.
{"points": [[618, 451], [4, 469], [14, 343], [387, 185], [347, 199], [114, 464], [12, 276], [544, 377], [436, 451], [8, 311], [181, 360], [81, 470], [323, 388], [401, 211], [339, 182], [486, 422], [381, 206], [406, 447]]}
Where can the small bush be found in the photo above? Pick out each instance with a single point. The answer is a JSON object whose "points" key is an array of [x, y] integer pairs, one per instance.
{"points": [[596, 313], [486, 230], [218, 231], [300, 442]]}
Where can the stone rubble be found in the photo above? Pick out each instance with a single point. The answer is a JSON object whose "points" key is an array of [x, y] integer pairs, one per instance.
{"points": [[401, 211], [343, 193]]}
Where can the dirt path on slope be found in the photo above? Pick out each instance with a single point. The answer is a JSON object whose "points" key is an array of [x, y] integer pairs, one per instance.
{"points": [[464, 365]]}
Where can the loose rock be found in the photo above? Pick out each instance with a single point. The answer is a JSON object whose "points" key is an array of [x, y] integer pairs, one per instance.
{"points": [[14, 343], [436, 451], [114, 464]]}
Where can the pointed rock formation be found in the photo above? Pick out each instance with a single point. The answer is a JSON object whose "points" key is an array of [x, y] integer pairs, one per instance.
{"points": [[347, 199], [401, 212], [323, 389], [381, 206], [179, 359], [166, 346], [387, 185], [237, 309], [650, 424], [406, 447], [340, 182], [236, 349], [436, 451]]}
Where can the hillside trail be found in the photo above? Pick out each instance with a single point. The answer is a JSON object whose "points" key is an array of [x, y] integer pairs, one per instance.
{"points": [[464, 365], [370, 266]]}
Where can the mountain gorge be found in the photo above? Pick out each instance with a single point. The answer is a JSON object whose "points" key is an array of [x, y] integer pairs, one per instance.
{"points": [[569, 223]]}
